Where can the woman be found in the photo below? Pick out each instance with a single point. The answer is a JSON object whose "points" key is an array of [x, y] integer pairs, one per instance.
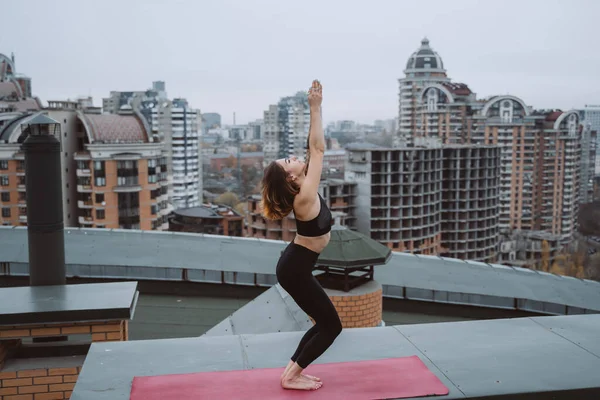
{"points": [[292, 185]]}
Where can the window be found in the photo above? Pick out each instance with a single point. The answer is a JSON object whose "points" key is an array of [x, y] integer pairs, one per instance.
{"points": [[100, 181], [99, 214], [4, 180], [99, 197], [127, 180], [5, 197], [3, 164], [98, 166], [6, 212]]}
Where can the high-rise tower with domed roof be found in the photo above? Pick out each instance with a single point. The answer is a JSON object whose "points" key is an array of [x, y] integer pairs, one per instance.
{"points": [[424, 67]]}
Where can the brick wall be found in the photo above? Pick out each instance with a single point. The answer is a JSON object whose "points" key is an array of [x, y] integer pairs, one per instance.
{"points": [[361, 307], [359, 311], [49, 383], [38, 384], [100, 331]]}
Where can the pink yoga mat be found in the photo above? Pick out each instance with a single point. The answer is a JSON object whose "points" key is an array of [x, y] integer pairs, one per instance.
{"points": [[389, 378]]}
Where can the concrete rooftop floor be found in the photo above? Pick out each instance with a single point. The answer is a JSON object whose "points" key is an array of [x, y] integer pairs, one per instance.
{"points": [[505, 358]]}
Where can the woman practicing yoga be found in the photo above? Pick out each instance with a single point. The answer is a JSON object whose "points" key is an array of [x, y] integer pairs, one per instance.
{"points": [[290, 184]]}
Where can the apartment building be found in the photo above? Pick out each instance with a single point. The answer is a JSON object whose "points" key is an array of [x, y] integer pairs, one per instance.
{"points": [[423, 67], [433, 107], [17, 106], [13, 85], [590, 116], [177, 125], [286, 126], [120, 172], [111, 171], [590, 150], [334, 162], [558, 174], [430, 200]]}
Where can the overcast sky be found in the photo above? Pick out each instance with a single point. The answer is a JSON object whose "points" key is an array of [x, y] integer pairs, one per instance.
{"points": [[240, 56]]}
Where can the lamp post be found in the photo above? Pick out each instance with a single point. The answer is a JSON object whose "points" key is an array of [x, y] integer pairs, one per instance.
{"points": [[45, 231]]}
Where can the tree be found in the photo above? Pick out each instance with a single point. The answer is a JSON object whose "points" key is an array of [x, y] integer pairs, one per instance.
{"points": [[249, 179], [228, 198], [231, 161], [593, 271], [545, 256], [589, 219], [241, 208], [559, 265], [556, 269]]}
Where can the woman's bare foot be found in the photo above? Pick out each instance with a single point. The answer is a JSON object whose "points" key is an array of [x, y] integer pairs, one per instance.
{"points": [[312, 378], [293, 378], [300, 383], [286, 369]]}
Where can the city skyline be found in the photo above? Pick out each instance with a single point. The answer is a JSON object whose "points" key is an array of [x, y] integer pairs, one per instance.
{"points": [[224, 57]]}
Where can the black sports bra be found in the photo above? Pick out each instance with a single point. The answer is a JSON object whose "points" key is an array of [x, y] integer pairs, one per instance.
{"points": [[319, 225]]}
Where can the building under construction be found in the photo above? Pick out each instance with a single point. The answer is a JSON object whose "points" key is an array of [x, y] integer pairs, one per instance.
{"points": [[338, 194], [429, 199]]}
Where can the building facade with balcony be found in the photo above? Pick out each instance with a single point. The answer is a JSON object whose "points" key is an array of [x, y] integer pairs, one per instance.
{"points": [[121, 178]]}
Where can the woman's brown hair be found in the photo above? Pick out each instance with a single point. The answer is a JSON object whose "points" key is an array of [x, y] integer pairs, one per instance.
{"points": [[277, 192]]}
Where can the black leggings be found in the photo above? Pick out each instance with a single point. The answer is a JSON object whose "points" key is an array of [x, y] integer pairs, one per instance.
{"points": [[294, 273]]}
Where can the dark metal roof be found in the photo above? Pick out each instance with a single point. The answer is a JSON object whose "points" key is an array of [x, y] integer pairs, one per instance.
{"points": [[198, 212], [348, 248], [425, 58]]}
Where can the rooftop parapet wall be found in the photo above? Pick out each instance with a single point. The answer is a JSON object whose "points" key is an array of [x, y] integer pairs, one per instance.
{"points": [[128, 254]]}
